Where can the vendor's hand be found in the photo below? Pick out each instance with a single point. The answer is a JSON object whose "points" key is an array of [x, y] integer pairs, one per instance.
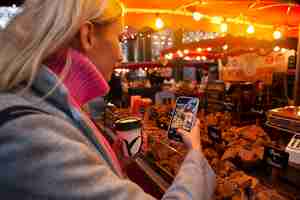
{"points": [[192, 139]]}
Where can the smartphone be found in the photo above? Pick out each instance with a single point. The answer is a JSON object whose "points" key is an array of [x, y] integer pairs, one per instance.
{"points": [[183, 117]]}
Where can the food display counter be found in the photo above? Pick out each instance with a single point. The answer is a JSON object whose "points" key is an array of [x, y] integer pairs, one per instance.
{"points": [[237, 155]]}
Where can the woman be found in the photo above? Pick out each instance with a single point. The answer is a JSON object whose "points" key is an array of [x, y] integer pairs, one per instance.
{"points": [[57, 55]]}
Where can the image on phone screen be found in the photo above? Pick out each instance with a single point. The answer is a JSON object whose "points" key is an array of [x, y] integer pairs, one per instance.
{"points": [[184, 116]]}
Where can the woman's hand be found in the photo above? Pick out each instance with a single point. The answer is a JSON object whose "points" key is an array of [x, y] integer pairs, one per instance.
{"points": [[192, 139], [124, 160]]}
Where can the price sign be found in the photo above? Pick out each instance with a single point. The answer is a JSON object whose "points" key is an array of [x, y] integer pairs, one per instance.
{"points": [[215, 134], [276, 157], [292, 62]]}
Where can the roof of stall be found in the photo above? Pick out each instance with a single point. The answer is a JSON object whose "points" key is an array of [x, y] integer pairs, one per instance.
{"points": [[265, 15]]}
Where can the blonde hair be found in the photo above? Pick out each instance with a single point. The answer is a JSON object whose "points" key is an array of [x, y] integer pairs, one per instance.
{"points": [[41, 29]]}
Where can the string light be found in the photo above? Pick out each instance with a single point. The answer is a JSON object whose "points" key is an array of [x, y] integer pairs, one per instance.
{"points": [[198, 58], [250, 29], [209, 49], [283, 50], [180, 54], [186, 51], [197, 16], [199, 49], [277, 35], [224, 27], [159, 23], [169, 56], [216, 20], [225, 47], [276, 49]]}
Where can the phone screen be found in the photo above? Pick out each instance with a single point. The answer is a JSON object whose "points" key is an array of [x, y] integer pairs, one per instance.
{"points": [[183, 117]]}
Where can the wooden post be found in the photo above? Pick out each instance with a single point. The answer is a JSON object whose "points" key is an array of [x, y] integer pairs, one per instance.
{"points": [[297, 79]]}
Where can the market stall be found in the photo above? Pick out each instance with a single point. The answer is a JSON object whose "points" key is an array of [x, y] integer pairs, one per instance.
{"points": [[251, 149], [236, 58], [239, 155]]}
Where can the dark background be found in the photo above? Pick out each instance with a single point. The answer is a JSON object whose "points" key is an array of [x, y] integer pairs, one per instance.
{"points": [[10, 2]]}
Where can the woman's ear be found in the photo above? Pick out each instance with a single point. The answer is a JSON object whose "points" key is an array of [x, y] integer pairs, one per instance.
{"points": [[86, 32]]}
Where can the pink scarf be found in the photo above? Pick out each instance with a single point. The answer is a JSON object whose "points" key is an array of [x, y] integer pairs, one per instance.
{"points": [[84, 83]]}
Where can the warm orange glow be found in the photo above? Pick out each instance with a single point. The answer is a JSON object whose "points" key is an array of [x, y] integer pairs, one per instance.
{"points": [[277, 35], [277, 48], [197, 16], [187, 58], [204, 58], [180, 54], [199, 49], [250, 29], [209, 49], [283, 50], [169, 56], [216, 20], [225, 47], [198, 58], [186, 51], [224, 28], [159, 23]]}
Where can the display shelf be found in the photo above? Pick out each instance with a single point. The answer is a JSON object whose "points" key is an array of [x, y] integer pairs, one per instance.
{"points": [[270, 125], [156, 177]]}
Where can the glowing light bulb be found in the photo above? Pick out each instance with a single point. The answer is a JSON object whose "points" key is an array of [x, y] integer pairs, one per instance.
{"points": [[224, 28], [277, 35], [199, 49], [159, 23], [180, 54], [283, 50], [277, 48], [225, 47], [197, 16], [209, 49], [250, 29], [186, 51]]}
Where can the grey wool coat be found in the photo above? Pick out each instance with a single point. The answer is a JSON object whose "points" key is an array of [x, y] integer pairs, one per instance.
{"points": [[52, 157]]}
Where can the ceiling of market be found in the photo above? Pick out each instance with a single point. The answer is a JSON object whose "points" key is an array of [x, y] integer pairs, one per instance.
{"points": [[265, 15]]}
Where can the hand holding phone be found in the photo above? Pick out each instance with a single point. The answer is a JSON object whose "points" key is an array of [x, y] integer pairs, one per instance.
{"points": [[192, 139], [184, 117]]}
